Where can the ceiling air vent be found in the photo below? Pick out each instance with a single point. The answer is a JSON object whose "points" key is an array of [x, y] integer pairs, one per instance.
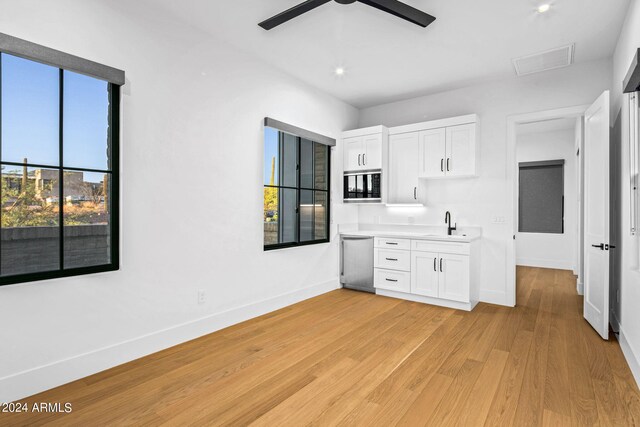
{"points": [[544, 61]]}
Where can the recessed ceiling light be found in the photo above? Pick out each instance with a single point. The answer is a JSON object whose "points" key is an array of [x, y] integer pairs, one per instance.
{"points": [[339, 71], [544, 8]]}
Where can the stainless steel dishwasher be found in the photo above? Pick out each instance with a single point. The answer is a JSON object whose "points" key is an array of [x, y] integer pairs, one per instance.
{"points": [[356, 263]]}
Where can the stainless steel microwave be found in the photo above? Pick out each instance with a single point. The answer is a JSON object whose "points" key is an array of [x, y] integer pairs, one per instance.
{"points": [[363, 187]]}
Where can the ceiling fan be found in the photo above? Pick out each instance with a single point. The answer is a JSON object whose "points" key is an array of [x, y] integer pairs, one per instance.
{"points": [[394, 7]]}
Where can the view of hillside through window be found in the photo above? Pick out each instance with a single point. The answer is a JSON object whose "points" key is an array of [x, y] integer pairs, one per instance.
{"points": [[55, 168]]}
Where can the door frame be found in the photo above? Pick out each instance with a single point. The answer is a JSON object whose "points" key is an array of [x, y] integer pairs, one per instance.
{"points": [[512, 181]]}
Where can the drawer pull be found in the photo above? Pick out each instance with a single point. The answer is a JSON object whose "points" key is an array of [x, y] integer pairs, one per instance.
{"points": [[391, 259], [390, 280], [392, 243]]}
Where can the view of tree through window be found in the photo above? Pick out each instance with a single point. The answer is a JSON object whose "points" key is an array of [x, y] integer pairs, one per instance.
{"points": [[56, 169], [296, 190]]}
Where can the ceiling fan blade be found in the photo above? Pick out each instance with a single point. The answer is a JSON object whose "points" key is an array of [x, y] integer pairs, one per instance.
{"points": [[295, 11], [401, 10]]}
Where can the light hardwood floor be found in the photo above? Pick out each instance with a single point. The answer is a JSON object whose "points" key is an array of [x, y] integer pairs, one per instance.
{"points": [[349, 358]]}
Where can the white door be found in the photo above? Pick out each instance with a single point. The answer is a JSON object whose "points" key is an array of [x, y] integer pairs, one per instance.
{"points": [[461, 150], [424, 273], [403, 167], [432, 152], [454, 277], [372, 156], [353, 149], [596, 215]]}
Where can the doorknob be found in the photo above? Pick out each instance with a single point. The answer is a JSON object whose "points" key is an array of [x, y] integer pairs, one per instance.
{"points": [[601, 246]]}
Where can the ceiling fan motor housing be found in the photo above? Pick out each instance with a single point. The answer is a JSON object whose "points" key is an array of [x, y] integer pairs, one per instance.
{"points": [[345, 1]]}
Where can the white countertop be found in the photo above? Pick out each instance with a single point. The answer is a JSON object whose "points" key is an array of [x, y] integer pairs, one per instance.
{"points": [[413, 235]]}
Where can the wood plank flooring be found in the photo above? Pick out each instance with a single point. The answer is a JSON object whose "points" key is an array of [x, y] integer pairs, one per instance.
{"points": [[348, 358]]}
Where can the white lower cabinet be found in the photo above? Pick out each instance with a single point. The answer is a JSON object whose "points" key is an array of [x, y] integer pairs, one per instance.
{"points": [[433, 272], [424, 273], [392, 280], [453, 280]]}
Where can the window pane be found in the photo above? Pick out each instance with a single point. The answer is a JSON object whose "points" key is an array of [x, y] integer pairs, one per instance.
{"points": [[30, 229], [306, 216], [287, 219], [320, 219], [288, 160], [86, 122], [270, 216], [87, 237], [30, 111], [306, 163], [270, 156], [321, 166]]}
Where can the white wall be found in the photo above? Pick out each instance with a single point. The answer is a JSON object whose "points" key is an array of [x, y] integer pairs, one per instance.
{"points": [[191, 197], [478, 201], [544, 249], [626, 311]]}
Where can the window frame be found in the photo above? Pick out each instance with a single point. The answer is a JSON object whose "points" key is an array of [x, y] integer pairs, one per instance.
{"points": [[298, 188], [114, 187]]}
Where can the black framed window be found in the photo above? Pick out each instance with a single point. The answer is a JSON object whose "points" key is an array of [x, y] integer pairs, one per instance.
{"points": [[296, 190], [59, 172], [541, 197]]}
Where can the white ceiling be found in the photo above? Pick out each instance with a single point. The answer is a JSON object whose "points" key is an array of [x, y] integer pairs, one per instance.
{"points": [[388, 59]]}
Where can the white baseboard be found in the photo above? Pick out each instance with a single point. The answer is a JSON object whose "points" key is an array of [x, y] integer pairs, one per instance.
{"points": [[427, 300], [27, 383], [494, 297], [545, 263], [630, 355]]}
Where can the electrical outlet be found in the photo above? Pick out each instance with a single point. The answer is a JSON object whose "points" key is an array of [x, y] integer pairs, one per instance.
{"points": [[202, 296]]}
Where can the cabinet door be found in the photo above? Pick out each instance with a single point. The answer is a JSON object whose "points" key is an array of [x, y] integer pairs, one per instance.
{"points": [[403, 167], [372, 152], [454, 277], [432, 153], [353, 150], [424, 273], [461, 150]]}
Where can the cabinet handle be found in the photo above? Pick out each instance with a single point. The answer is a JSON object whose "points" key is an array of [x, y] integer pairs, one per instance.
{"points": [[441, 165], [440, 265], [390, 280], [448, 164], [391, 259], [392, 243], [364, 159], [359, 159], [434, 264], [415, 193]]}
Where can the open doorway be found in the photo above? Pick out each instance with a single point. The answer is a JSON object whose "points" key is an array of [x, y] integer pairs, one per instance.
{"points": [[548, 158], [583, 215]]}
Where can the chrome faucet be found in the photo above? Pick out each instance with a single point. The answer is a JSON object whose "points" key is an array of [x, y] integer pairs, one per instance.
{"points": [[447, 220]]}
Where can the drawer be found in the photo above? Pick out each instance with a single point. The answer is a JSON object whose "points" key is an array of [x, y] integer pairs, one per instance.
{"points": [[392, 280], [389, 243], [462, 248], [392, 259]]}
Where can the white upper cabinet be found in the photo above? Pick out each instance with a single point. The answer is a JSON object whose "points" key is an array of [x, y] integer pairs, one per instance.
{"points": [[373, 151], [461, 150], [433, 144], [362, 148], [353, 149], [404, 168], [448, 152]]}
